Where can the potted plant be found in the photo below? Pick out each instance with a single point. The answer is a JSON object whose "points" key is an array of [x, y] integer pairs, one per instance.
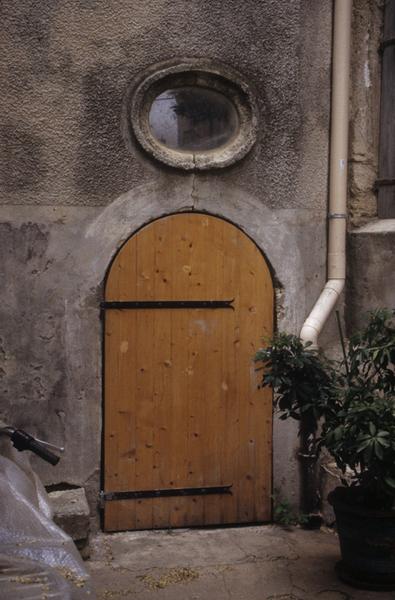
{"points": [[348, 408]]}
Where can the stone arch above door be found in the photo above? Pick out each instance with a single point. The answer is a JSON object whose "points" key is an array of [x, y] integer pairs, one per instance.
{"points": [[272, 234], [272, 231]]}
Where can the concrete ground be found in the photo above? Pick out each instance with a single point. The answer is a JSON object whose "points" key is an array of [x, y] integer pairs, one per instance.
{"points": [[243, 563]]}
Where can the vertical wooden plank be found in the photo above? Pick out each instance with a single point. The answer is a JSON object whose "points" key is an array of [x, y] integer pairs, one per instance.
{"points": [[262, 328], [122, 279], [195, 237], [181, 335], [162, 360], [246, 464], [256, 306], [196, 400], [230, 357], [213, 416], [144, 377], [119, 416]]}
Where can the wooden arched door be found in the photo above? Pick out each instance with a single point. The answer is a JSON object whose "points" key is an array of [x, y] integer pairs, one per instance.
{"points": [[187, 433]]}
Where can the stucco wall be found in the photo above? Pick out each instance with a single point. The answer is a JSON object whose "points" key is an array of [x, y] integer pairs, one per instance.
{"points": [[66, 65], [72, 191]]}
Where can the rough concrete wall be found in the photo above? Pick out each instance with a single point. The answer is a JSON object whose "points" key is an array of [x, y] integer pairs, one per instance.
{"points": [[72, 192], [367, 22], [49, 352]]}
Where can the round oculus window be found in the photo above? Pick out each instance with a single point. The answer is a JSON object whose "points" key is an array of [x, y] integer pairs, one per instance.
{"points": [[193, 118]]}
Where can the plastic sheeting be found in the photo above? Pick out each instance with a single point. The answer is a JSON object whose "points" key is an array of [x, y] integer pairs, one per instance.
{"points": [[27, 533], [28, 580]]}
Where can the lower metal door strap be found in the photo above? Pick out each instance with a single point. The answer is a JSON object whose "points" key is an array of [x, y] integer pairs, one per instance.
{"points": [[136, 495]]}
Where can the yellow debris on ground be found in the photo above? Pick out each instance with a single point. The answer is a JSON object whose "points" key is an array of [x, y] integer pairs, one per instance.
{"points": [[170, 577]]}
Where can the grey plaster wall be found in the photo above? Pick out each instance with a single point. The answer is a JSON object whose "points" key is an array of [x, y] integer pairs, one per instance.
{"points": [[66, 64], [72, 190]]}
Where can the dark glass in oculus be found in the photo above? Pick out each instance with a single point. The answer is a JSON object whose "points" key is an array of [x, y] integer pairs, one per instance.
{"points": [[193, 119]]}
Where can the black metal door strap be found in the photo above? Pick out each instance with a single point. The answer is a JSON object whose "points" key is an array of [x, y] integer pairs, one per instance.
{"points": [[136, 495], [136, 304]]}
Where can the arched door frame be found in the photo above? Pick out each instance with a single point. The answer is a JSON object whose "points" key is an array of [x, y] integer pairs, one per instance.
{"points": [[108, 231], [117, 514]]}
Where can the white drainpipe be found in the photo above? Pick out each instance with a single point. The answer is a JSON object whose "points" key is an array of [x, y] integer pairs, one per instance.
{"points": [[336, 268]]}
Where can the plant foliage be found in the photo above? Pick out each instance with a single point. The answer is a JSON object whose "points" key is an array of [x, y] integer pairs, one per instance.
{"points": [[284, 514], [354, 401]]}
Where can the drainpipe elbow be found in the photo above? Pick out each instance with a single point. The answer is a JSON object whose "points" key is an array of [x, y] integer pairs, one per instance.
{"points": [[323, 307], [309, 333]]}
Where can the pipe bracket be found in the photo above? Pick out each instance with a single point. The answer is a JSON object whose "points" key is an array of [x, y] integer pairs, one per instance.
{"points": [[337, 216], [383, 182], [386, 43]]}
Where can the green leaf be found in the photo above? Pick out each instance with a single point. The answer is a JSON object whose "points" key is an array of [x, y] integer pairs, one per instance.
{"points": [[364, 445], [338, 433], [383, 442], [378, 451]]}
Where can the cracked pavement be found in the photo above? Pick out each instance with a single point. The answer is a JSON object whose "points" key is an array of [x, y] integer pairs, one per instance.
{"points": [[242, 563]]}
